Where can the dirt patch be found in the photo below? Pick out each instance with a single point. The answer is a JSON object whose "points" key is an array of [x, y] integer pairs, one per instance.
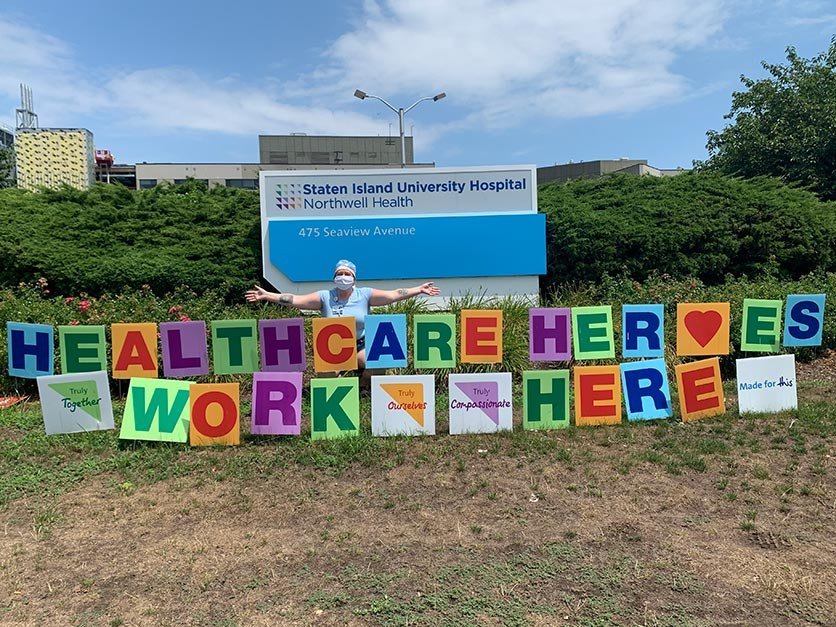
{"points": [[554, 542], [822, 369]]}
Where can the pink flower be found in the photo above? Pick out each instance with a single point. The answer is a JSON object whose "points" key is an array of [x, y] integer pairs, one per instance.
{"points": [[73, 323], [184, 318], [84, 305], [68, 300]]}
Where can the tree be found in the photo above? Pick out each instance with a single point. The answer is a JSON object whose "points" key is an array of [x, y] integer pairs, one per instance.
{"points": [[783, 126], [7, 167]]}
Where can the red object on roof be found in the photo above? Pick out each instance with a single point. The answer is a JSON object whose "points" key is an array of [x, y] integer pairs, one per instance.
{"points": [[104, 157]]}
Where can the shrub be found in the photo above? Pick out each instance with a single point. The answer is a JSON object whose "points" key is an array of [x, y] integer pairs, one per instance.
{"points": [[111, 238], [172, 238], [693, 225]]}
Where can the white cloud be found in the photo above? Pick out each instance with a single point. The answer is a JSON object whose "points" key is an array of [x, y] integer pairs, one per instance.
{"points": [[47, 65], [502, 63], [509, 61], [167, 98], [154, 98], [814, 20]]}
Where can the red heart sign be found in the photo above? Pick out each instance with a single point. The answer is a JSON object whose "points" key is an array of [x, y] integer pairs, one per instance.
{"points": [[703, 325]]}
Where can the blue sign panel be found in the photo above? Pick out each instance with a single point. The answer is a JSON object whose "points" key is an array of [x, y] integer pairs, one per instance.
{"points": [[410, 247]]}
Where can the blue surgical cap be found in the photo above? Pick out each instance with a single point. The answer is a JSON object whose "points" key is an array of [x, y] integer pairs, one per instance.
{"points": [[345, 263]]}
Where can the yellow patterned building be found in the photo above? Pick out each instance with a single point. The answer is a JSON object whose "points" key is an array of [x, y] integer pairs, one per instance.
{"points": [[49, 157]]}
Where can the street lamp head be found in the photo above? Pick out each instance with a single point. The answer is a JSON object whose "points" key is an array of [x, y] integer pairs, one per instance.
{"points": [[439, 96], [359, 94]]}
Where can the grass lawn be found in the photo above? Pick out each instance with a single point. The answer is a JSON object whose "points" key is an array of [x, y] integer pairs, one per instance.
{"points": [[726, 521]]}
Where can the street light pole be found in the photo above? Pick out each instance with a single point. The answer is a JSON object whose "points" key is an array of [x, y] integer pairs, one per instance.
{"points": [[401, 112]]}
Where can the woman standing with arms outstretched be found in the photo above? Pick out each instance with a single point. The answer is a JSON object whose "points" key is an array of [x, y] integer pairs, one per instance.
{"points": [[344, 299]]}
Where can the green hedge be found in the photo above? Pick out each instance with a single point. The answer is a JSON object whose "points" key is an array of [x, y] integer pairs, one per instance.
{"points": [[171, 238], [110, 238], [692, 225]]}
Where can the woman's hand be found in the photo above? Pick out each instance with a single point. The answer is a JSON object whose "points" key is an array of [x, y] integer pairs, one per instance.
{"points": [[429, 289], [256, 294]]}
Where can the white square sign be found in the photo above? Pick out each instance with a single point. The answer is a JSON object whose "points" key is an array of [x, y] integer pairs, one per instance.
{"points": [[766, 384], [480, 402], [403, 405], [72, 403]]}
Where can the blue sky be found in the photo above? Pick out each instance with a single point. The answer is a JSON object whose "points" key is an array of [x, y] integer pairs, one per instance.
{"points": [[533, 81]]}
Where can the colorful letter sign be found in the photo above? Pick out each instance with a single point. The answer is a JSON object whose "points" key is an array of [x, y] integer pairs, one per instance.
{"points": [[134, 350], [215, 414], [647, 394], [549, 334], [480, 402], [335, 408], [156, 410], [643, 330], [282, 345], [277, 403], [702, 329], [481, 336], [804, 320], [761, 329], [403, 405], [31, 349], [73, 403], [434, 338], [597, 395], [185, 353], [83, 348], [386, 341], [335, 344], [545, 399], [593, 332], [234, 347], [700, 389]]}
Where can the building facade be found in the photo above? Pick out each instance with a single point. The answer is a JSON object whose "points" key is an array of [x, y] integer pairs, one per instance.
{"points": [[333, 150], [602, 167], [51, 157], [7, 137], [240, 175]]}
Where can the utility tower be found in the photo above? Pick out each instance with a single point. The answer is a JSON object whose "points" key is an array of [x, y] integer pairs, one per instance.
{"points": [[25, 117]]}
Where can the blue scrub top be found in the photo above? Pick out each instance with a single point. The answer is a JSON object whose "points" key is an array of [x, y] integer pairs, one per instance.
{"points": [[357, 305]]}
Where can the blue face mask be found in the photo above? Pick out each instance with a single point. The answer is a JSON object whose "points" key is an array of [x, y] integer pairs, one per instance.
{"points": [[343, 281]]}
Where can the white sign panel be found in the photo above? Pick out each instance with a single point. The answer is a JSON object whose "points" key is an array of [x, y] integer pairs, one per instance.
{"points": [[402, 227], [403, 405], [77, 402], [480, 402], [390, 192], [766, 384]]}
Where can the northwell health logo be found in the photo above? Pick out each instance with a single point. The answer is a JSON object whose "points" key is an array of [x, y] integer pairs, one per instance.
{"points": [[287, 196]]}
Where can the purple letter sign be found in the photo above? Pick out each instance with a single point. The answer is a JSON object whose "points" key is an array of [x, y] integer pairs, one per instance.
{"points": [[185, 352], [277, 403]]}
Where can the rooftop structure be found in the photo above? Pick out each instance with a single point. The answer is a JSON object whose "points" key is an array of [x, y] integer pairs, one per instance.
{"points": [[334, 150], [601, 167]]}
